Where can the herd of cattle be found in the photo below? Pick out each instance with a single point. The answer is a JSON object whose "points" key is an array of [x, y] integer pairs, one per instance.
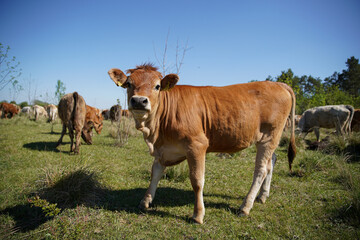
{"points": [[75, 115], [186, 122]]}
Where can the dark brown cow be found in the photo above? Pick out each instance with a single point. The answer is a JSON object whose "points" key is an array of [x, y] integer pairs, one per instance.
{"points": [[115, 113], [186, 122], [106, 114], [76, 115], [355, 123], [8, 110]]}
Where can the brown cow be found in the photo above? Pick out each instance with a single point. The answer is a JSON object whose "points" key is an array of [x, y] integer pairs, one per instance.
{"points": [[355, 124], [125, 113], [93, 119], [8, 109], [73, 113], [186, 122]]}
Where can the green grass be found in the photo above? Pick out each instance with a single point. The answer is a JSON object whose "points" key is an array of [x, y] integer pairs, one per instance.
{"points": [[98, 191]]}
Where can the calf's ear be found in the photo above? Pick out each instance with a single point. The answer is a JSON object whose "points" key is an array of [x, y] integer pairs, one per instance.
{"points": [[118, 77], [169, 81]]}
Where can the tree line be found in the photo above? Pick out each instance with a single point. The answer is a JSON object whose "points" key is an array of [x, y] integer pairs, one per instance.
{"points": [[339, 88]]}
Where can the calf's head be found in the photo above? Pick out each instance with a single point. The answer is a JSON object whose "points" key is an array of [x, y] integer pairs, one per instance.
{"points": [[143, 85], [93, 119]]}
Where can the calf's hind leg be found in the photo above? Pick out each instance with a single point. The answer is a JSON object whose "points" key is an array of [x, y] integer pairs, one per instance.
{"points": [[265, 187], [62, 135], [263, 167]]}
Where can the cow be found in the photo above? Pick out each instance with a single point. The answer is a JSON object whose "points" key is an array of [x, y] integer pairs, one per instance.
{"points": [[73, 113], [330, 116], [115, 113], [125, 113], [39, 111], [297, 119], [106, 114], [26, 110], [52, 112], [355, 123], [94, 120], [8, 110], [181, 122]]}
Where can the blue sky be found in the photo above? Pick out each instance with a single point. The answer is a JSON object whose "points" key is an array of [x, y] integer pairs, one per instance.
{"points": [[229, 41]]}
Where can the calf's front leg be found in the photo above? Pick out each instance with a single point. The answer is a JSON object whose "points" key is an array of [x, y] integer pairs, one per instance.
{"points": [[157, 172], [196, 163]]}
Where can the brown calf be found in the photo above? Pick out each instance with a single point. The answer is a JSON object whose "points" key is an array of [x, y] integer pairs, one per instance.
{"points": [[93, 120], [186, 122]]}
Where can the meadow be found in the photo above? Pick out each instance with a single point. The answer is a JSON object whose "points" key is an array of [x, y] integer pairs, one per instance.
{"points": [[47, 193]]}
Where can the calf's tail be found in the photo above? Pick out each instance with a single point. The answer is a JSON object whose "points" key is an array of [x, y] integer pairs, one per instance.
{"points": [[76, 99], [292, 146]]}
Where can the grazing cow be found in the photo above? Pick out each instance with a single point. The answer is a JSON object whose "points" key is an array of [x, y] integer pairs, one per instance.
{"points": [[8, 109], [26, 110], [93, 119], [39, 111], [125, 113], [72, 112], [355, 124], [115, 113], [106, 114], [297, 119], [52, 112], [186, 122], [330, 116]]}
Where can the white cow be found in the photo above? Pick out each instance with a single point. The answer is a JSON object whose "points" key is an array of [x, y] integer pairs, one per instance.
{"points": [[39, 111], [52, 112], [331, 116], [26, 110]]}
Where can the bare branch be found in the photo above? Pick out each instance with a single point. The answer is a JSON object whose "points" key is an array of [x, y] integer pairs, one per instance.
{"points": [[180, 53], [9, 70], [181, 62]]}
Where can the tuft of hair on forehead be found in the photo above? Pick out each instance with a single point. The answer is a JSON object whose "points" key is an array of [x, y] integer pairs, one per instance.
{"points": [[144, 67]]}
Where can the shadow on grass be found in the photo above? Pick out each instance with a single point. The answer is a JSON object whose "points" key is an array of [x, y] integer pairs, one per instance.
{"points": [[52, 133], [42, 146], [81, 187]]}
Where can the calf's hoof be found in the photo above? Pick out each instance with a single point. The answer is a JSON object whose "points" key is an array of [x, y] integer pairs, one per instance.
{"points": [[198, 220], [144, 205], [261, 199], [243, 213]]}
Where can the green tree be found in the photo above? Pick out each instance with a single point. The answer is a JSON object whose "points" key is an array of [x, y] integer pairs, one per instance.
{"points": [[23, 104], [9, 67], [60, 90], [349, 79]]}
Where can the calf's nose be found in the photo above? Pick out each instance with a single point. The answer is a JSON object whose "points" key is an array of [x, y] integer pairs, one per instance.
{"points": [[139, 103]]}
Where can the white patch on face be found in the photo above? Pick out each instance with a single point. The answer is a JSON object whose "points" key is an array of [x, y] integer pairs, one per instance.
{"points": [[140, 114]]}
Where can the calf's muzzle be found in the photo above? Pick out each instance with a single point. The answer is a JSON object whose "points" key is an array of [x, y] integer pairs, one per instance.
{"points": [[139, 103]]}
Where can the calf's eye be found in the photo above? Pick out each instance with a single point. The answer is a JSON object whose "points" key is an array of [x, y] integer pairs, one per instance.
{"points": [[157, 87]]}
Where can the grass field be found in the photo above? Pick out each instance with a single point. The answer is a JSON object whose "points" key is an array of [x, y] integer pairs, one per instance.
{"points": [[46, 193]]}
